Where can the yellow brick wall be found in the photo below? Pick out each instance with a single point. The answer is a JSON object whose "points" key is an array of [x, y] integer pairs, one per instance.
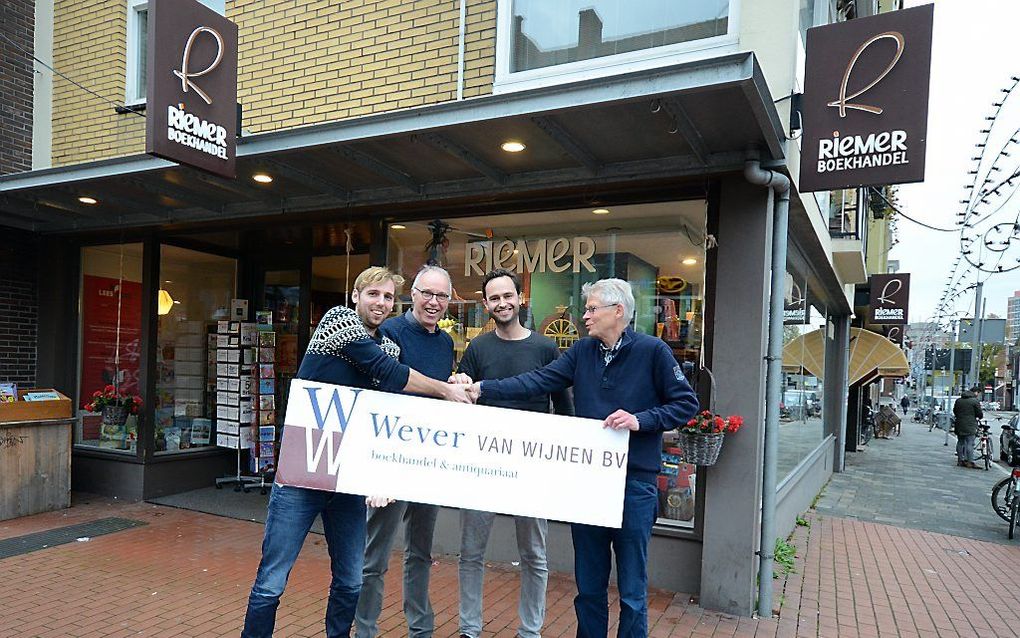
{"points": [[89, 47], [300, 62]]}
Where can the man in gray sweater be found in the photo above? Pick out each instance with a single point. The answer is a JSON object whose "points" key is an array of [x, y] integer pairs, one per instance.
{"points": [[508, 351]]}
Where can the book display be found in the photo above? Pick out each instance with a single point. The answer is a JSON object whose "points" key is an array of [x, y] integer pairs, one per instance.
{"points": [[234, 356], [263, 450]]}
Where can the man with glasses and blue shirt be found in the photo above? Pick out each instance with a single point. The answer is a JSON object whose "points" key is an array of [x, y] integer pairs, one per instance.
{"points": [[345, 349], [630, 381], [426, 348]]}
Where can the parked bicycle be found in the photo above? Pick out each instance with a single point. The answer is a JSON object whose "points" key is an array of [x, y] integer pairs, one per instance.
{"points": [[983, 448], [1006, 500]]}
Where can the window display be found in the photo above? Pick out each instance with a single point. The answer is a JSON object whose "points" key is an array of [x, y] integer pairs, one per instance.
{"points": [[658, 248], [195, 293], [110, 337]]}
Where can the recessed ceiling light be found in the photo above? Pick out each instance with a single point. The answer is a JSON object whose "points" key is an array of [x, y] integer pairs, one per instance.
{"points": [[88, 200], [397, 226], [262, 178], [690, 261], [601, 211], [511, 146]]}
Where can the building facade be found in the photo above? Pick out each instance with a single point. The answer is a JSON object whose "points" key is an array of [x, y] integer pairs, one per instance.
{"points": [[569, 144]]}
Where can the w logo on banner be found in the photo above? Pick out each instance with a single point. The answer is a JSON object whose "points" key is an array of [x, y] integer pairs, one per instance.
{"points": [[310, 452]]}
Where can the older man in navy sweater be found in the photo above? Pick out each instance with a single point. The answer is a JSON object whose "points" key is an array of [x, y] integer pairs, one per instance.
{"points": [[634, 383]]}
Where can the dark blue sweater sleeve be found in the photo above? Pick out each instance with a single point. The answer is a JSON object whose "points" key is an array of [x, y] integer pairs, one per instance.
{"points": [[558, 375], [678, 403], [367, 356]]}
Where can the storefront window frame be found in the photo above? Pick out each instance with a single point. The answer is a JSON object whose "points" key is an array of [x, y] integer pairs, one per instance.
{"points": [[211, 448], [507, 81], [81, 394], [661, 527]]}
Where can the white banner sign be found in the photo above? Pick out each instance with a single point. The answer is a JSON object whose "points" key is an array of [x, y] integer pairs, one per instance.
{"points": [[467, 456]]}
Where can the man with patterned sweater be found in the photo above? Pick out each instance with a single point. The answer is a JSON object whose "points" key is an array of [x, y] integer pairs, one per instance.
{"points": [[346, 349], [631, 381]]}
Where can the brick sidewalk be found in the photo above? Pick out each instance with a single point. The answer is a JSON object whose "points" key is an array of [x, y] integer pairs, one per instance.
{"points": [[188, 574]]}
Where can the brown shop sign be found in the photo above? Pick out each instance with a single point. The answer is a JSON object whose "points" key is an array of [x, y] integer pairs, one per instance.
{"points": [[890, 297], [191, 98], [865, 106]]}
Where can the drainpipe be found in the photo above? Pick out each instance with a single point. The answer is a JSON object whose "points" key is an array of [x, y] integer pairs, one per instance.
{"points": [[462, 32], [780, 186]]}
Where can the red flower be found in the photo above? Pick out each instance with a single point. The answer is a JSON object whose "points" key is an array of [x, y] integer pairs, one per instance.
{"points": [[88, 407]]}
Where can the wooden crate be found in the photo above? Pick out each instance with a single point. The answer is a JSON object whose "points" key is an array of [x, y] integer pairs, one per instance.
{"points": [[35, 410], [35, 464]]}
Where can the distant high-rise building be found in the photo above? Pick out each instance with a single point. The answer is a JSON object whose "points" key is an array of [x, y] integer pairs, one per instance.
{"points": [[1013, 317]]}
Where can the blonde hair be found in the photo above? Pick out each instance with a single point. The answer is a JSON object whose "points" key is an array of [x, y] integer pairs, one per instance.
{"points": [[377, 275]]}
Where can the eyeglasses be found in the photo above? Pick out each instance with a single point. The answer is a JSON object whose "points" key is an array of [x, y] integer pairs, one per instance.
{"points": [[590, 310], [427, 295]]}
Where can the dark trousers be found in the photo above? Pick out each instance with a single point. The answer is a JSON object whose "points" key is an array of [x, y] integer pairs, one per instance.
{"points": [[593, 550]]}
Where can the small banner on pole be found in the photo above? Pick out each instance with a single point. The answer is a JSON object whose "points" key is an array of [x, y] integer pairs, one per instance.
{"points": [[357, 441]]}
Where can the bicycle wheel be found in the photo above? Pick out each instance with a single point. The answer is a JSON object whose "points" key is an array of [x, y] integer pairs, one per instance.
{"points": [[1003, 497], [1013, 516]]}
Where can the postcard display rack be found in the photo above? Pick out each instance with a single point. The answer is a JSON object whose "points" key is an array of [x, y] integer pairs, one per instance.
{"points": [[239, 353]]}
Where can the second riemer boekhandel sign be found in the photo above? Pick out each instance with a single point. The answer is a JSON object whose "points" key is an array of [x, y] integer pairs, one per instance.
{"points": [[865, 106], [191, 98]]}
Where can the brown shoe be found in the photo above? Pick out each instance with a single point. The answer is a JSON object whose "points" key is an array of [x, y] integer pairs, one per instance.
{"points": [[972, 464]]}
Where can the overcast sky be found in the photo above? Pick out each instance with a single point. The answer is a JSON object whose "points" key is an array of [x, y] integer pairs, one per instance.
{"points": [[974, 54]]}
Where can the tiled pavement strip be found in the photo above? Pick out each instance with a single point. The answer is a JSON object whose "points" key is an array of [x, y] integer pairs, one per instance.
{"points": [[188, 574]]}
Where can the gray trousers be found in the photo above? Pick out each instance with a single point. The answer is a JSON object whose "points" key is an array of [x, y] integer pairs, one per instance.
{"points": [[474, 536], [965, 447], [420, 522]]}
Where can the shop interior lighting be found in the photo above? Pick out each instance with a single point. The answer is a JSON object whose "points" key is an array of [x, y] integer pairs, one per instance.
{"points": [[91, 201], [690, 261], [397, 226], [600, 211], [164, 302], [512, 146], [262, 178]]}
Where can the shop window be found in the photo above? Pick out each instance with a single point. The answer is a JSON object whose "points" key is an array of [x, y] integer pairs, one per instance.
{"points": [[658, 248], [801, 427], [110, 333], [542, 42], [195, 290]]}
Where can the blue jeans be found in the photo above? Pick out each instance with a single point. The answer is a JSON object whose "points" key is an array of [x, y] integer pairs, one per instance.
{"points": [[592, 563], [475, 528], [291, 513]]}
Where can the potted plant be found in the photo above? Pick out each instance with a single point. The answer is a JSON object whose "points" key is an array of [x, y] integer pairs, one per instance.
{"points": [[701, 438], [115, 406]]}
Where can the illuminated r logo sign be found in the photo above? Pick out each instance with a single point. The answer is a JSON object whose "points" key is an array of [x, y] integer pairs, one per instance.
{"points": [[843, 103], [185, 75]]}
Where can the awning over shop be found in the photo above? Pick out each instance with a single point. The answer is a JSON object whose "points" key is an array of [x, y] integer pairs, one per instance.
{"points": [[646, 128], [871, 355]]}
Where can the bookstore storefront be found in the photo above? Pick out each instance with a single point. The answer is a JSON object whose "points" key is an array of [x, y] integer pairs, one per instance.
{"points": [[611, 185]]}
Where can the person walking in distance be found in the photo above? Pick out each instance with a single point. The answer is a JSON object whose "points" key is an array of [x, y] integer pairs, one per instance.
{"points": [[424, 347], [967, 411], [509, 350], [630, 381], [345, 349]]}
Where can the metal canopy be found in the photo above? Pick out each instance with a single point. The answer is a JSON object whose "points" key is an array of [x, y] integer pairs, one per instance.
{"points": [[685, 120]]}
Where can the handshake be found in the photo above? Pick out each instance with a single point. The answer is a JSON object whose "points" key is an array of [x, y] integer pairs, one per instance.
{"points": [[461, 388]]}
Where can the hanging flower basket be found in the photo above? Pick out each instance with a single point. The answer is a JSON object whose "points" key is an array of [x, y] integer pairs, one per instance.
{"points": [[701, 438], [115, 415], [115, 406], [701, 449]]}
